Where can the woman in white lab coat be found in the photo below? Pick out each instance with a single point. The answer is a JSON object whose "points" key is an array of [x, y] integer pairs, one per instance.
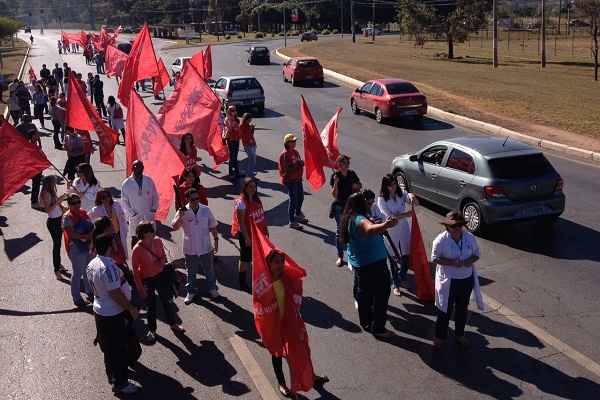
{"points": [[86, 186]]}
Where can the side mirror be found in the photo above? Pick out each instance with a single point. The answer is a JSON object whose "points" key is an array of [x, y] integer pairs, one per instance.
{"points": [[211, 83], [414, 157]]}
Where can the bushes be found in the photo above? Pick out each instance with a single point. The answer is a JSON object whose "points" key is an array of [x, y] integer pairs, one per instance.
{"points": [[335, 31], [281, 34], [273, 34], [8, 26], [227, 37], [240, 36], [325, 32], [259, 35]]}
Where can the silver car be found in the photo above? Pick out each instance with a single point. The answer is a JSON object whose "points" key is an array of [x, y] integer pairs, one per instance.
{"points": [[490, 180], [240, 91]]}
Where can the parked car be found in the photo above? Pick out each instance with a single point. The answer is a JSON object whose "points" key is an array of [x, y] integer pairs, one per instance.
{"points": [[577, 23], [490, 180], [303, 69], [177, 64], [258, 55], [241, 91], [309, 36], [128, 29], [389, 98], [28, 29], [369, 32]]}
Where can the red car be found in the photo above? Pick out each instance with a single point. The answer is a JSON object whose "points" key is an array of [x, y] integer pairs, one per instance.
{"points": [[389, 98], [303, 69]]}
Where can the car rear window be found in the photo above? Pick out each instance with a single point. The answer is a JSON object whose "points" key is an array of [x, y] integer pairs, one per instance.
{"points": [[245, 84], [520, 167], [308, 63], [261, 50], [401, 88]]}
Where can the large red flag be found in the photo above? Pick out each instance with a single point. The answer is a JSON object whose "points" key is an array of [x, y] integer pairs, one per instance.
{"points": [[146, 141], [162, 80], [114, 61], [315, 154], [329, 136], [199, 63], [207, 63], [141, 64], [283, 336], [83, 116], [20, 161], [193, 107], [419, 262]]}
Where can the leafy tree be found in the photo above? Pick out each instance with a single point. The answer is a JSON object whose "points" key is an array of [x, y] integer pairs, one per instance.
{"points": [[591, 9], [8, 26]]}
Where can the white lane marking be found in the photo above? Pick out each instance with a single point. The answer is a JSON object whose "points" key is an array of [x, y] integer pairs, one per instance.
{"points": [[576, 356], [254, 371]]}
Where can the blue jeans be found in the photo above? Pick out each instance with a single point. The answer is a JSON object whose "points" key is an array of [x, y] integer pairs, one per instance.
{"points": [[251, 160], [234, 148], [296, 193], [79, 262], [193, 264], [337, 215]]}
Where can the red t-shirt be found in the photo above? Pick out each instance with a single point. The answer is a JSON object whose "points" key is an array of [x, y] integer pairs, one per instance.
{"points": [[289, 168], [247, 133], [147, 263], [253, 211], [232, 127]]}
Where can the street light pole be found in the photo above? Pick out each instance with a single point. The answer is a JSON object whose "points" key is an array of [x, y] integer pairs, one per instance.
{"points": [[543, 27], [284, 29], [373, 23], [352, 21], [342, 17], [495, 27]]}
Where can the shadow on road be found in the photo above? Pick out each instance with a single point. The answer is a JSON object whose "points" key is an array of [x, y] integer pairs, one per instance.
{"points": [[17, 313], [159, 386], [15, 247], [321, 315]]}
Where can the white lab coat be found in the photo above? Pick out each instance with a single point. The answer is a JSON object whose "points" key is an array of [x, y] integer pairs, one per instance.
{"points": [[100, 211], [400, 233], [88, 197], [139, 204]]}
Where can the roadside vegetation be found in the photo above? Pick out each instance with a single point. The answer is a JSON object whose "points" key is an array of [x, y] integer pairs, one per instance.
{"points": [[12, 52]]}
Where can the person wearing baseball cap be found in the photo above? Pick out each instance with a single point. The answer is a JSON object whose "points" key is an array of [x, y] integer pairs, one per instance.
{"points": [[291, 168]]}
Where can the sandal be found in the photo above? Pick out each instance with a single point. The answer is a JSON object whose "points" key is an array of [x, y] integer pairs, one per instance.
{"points": [[285, 392], [397, 292]]}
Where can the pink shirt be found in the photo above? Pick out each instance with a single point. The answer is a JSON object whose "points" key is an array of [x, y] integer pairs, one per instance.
{"points": [[145, 264]]}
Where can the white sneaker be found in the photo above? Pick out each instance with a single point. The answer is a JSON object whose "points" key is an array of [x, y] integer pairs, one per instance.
{"points": [[356, 304], [130, 388], [188, 299], [214, 294]]}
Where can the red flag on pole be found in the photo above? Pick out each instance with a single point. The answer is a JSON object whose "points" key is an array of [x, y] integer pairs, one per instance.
{"points": [[83, 116], [114, 61], [31, 73], [286, 335], [315, 154], [194, 107], [141, 64], [207, 63], [146, 141], [419, 262], [199, 63], [21, 160], [329, 136], [162, 80]]}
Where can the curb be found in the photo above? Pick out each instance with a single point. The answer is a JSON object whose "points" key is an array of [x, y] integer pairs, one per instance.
{"points": [[19, 76], [478, 125]]}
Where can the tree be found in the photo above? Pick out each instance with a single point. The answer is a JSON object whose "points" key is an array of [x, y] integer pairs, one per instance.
{"points": [[591, 9], [8, 27], [452, 19]]}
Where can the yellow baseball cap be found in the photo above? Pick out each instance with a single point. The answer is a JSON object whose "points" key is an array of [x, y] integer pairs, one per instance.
{"points": [[290, 137]]}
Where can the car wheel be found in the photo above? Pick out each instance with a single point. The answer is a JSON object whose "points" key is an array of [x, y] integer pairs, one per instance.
{"points": [[379, 116], [402, 180], [284, 78], [320, 83], [354, 107], [472, 213], [294, 83], [261, 109]]}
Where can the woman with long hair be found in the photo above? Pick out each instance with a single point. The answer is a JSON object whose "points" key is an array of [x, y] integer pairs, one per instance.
{"points": [[190, 153], [52, 204], [247, 208], [185, 182], [86, 186], [367, 256], [106, 206], [115, 116], [231, 134]]}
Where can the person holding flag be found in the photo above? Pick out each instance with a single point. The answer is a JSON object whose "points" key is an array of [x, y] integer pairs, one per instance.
{"points": [[247, 134], [291, 168], [115, 116], [30, 132]]}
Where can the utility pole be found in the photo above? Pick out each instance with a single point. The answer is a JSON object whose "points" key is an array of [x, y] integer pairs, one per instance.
{"points": [[495, 28], [352, 21], [342, 18], [373, 23], [559, 14], [284, 29], [543, 39]]}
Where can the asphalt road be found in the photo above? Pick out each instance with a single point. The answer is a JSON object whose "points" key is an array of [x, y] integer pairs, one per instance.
{"points": [[549, 280]]}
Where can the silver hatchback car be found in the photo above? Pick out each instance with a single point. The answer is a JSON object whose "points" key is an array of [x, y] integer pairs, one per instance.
{"points": [[490, 180]]}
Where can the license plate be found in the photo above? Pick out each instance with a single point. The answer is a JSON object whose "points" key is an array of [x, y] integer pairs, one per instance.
{"points": [[532, 212]]}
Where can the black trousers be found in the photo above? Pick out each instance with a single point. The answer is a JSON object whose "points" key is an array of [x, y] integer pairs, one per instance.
{"points": [[71, 166], [55, 228], [160, 285], [278, 368], [372, 293], [36, 182], [120, 346], [100, 106], [458, 300], [234, 148], [56, 130]]}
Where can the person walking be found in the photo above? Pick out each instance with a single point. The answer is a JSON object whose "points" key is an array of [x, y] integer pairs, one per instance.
{"points": [[114, 315], [139, 198], [148, 261], [44, 74], [24, 97], [57, 116], [14, 108], [106, 206], [249, 143], [30, 132], [367, 256], [343, 183], [247, 208], [75, 147], [198, 221], [99, 60], [58, 74], [86, 186], [39, 103], [189, 153], [88, 88], [291, 168], [52, 204], [454, 251], [77, 229], [98, 94], [394, 202], [59, 46], [231, 134], [185, 182], [115, 116]]}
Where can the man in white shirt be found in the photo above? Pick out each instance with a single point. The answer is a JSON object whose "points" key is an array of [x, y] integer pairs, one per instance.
{"points": [[140, 198], [198, 221], [114, 315]]}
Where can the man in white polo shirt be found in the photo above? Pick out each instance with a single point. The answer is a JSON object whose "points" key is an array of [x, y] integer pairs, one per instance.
{"points": [[139, 198], [198, 222]]}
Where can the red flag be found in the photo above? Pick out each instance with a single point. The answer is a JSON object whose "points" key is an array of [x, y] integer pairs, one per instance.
{"points": [[114, 61], [419, 262], [194, 107], [20, 161], [162, 80], [315, 155], [31, 73], [80, 37], [83, 116], [283, 336], [146, 141], [207, 63], [199, 63], [329, 138], [141, 64]]}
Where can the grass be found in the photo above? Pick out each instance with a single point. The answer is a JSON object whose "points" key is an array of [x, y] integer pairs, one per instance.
{"points": [[12, 63], [212, 39], [558, 103]]}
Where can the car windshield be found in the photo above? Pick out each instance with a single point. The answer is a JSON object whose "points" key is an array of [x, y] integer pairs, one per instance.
{"points": [[401, 88], [520, 167], [308, 63], [245, 84]]}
